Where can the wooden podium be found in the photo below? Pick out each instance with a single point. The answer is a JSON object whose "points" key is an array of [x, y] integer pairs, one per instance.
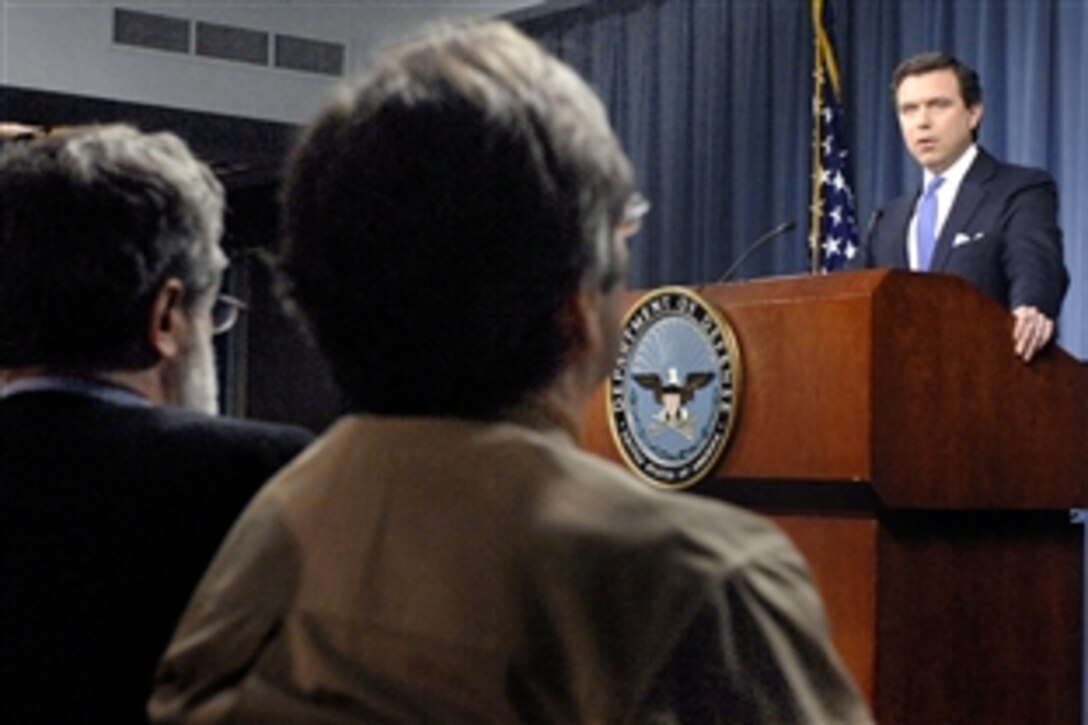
{"points": [[927, 474]]}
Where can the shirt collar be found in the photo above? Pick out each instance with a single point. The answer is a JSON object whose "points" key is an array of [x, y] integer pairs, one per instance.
{"points": [[954, 174], [74, 385]]}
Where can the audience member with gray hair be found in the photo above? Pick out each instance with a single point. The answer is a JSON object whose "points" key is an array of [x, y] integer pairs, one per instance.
{"points": [[116, 482]]}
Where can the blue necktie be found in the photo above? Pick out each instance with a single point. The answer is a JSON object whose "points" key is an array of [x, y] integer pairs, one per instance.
{"points": [[927, 223]]}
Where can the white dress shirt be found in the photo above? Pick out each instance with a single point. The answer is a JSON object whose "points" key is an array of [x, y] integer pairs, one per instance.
{"points": [[946, 196]]}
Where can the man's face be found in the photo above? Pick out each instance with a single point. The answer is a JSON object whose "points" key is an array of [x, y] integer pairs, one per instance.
{"points": [[612, 304], [937, 125], [191, 381]]}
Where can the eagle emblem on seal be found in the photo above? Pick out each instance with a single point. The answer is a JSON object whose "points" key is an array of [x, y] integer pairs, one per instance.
{"points": [[673, 397]]}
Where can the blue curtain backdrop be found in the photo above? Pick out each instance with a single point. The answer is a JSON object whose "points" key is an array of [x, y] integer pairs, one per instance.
{"points": [[712, 99]]}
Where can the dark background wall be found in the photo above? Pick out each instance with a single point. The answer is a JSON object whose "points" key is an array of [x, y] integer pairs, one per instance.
{"points": [[271, 369]]}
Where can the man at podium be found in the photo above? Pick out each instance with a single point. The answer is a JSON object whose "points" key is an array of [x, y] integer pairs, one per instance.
{"points": [[992, 223]]}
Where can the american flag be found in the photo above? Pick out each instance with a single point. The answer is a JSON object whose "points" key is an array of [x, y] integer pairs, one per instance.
{"points": [[833, 233]]}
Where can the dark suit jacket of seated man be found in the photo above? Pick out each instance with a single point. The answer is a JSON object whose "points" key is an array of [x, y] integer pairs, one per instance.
{"points": [[113, 496], [997, 223]]}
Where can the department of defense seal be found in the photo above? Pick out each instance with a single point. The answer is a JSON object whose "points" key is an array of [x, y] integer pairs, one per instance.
{"points": [[674, 391]]}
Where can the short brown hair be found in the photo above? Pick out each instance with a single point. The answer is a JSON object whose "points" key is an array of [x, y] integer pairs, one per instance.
{"points": [[970, 86]]}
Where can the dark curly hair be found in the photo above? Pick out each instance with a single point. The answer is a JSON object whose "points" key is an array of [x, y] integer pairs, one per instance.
{"points": [[441, 215], [92, 221]]}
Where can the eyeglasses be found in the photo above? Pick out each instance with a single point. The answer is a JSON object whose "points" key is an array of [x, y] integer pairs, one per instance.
{"points": [[636, 207], [225, 312]]}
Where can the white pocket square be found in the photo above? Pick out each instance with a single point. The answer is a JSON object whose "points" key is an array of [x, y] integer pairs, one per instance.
{"points": [[962, 238]]}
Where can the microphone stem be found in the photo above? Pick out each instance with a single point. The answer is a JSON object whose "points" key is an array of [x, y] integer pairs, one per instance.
{"points": [[780, 229]]}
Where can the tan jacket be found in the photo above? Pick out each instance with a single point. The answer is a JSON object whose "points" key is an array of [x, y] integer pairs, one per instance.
{"points": [[427, 570]]}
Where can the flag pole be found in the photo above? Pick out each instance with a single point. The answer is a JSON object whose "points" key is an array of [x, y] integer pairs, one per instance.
{"points": [[815, 208], [833, 238]]}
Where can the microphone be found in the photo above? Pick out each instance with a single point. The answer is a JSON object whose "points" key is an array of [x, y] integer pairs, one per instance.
{"points": [[873, 219], [779, 230]]}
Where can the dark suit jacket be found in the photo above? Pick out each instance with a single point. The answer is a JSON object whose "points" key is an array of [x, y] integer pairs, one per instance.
{"points": [[108, 517], [1001, 235]]}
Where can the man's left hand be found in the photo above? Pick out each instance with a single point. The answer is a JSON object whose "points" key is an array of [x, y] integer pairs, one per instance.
{"points": [[1031, 331]]}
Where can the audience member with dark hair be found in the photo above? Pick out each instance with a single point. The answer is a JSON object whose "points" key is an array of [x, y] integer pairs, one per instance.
{"points": [[116, 485], [457, 227]]}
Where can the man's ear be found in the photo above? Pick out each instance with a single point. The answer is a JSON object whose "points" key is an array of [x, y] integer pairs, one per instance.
{"points": [[167, 321], [582, 321], [975, 112]]}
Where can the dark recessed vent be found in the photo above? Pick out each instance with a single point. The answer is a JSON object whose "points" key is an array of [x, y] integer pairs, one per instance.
{"points": [[147, 30], [310, 56], [229, 43]]}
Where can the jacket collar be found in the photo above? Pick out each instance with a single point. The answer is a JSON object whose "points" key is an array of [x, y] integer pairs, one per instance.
{"points": [[972, 193]]}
